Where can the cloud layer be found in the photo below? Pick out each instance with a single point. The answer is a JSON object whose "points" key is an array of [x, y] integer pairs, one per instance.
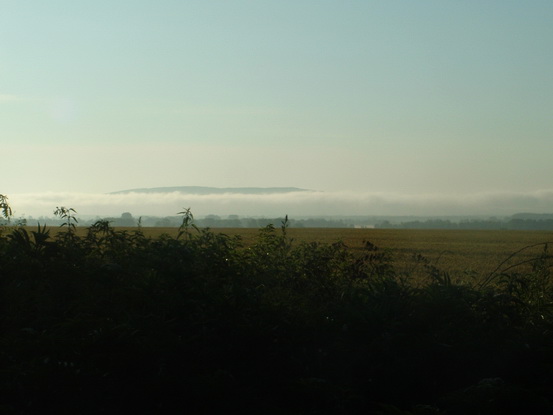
{"points": [[295, 204]]}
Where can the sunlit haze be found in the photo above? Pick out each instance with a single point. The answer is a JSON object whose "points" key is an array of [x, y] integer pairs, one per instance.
{"points": [[375, 107]]}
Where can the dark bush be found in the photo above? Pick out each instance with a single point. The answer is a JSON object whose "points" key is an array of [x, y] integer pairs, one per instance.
{"points": [[117, 322]]}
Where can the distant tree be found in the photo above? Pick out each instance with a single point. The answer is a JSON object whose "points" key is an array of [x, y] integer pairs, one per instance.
{"points": [[233, 221], [164, 223], [251, 223], [126, 220], [211, 220]]}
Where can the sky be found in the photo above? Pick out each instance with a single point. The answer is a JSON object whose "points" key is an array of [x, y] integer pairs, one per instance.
{"points": [[435, 106]]}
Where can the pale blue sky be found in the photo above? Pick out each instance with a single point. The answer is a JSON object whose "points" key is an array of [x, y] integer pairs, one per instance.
{"points": [[403, 97]]}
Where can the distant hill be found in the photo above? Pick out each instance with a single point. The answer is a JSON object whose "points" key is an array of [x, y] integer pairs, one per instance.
{"points": [[201, 190]]}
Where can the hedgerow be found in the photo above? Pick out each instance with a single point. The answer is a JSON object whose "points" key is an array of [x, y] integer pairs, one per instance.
{"points": [[117, 322]]}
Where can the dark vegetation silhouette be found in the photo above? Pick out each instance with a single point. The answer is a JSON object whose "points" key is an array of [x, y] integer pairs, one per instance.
{"points": [[115, 322]]}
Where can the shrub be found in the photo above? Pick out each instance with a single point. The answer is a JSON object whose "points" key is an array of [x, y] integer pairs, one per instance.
{"points": [[115, 321]]}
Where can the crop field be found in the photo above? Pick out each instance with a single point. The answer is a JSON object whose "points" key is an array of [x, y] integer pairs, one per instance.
{"points": [[455, 251], [459, 252]]}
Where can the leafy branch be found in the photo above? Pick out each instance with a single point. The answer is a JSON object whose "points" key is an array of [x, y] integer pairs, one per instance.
{"points": [[5, 208], [187, 222], [69, 217]]}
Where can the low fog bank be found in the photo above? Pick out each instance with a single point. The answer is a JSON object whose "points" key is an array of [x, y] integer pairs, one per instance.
{"points": [[294, 204]]}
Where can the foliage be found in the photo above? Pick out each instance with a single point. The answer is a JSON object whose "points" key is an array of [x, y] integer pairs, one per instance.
{"points": [[115, 321], [187, 223], [69, 215], [5, 208]]}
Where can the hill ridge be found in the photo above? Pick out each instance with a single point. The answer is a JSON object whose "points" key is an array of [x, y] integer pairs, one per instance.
{"points": [[206, 190]]}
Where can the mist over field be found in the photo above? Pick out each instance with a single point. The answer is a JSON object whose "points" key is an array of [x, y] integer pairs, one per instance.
{"points": [[293, 203]]}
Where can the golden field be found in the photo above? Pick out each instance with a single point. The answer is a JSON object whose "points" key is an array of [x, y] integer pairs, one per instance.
{"points": [[459, 252], [455, 251]]}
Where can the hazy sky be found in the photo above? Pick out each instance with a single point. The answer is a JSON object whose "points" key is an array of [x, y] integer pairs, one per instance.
{"points": [[404, 98]]}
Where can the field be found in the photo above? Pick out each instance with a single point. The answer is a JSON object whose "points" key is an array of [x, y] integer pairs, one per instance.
{"points": [[451, 250], [459, 252]]}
